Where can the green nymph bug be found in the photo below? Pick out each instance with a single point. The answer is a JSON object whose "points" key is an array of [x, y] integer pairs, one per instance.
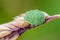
{"points": [[35, 17]]}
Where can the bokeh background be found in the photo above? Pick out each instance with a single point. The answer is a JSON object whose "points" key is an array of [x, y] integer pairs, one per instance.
{"points": [[48, 31]]}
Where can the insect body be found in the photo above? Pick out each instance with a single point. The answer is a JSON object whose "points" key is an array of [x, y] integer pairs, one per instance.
{"points": [[35, 17]]}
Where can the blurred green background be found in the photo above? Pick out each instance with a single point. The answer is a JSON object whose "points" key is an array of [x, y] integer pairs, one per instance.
{"points": [[48, 31]]}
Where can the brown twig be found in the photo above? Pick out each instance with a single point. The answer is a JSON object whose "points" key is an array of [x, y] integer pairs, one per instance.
{"points": [[12, 30]]}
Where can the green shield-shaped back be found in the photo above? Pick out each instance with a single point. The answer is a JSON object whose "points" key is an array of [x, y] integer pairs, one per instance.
{"points": [[34, 17]]}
